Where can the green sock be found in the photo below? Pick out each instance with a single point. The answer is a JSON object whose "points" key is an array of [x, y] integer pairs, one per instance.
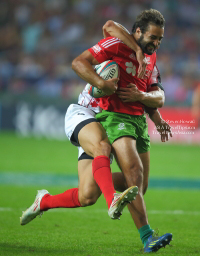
{"points": [[145, 233]]}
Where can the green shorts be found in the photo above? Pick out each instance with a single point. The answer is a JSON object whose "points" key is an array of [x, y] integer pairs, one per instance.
{"points": [[119, 125]]}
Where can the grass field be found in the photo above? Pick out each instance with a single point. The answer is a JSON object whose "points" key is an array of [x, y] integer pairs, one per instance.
{"points": [[89, 231]]}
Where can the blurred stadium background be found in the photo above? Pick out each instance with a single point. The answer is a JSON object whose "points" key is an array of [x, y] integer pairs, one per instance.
{"points": [[38, 41], [40, 38]]}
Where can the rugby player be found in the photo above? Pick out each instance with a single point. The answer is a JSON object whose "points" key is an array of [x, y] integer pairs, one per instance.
{"points": [[123, 115], [134, 172]]}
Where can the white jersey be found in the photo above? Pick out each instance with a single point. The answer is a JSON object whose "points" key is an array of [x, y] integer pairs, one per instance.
{"points": [[86, 100]]}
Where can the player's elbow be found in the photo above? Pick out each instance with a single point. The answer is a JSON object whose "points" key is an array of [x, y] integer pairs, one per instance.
{"points": [[74, 64], [162, 100], [161, 103], [109, 24]]}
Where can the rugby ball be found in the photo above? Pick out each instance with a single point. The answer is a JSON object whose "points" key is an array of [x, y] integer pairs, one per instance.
{"points": [[107, 70]]}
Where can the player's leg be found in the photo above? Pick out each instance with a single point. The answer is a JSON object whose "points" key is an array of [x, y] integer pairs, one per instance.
{"points": [[137, 207], [83, 130], [93, 139], [89, 191], [129, 162], [119, 179], [145, 158], [86, 194]]}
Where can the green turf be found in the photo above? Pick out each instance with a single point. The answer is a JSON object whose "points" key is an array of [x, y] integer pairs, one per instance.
{"points": [[36, 155], [52, 156], [89, 231]]}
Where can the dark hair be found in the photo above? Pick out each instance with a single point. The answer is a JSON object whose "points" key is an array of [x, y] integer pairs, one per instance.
{"points": [[147, 17]]}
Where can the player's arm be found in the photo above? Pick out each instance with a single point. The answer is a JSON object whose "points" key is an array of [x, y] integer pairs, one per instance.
{"points": [[82, 65], [115, 29], [161, 125], [154, 99]]}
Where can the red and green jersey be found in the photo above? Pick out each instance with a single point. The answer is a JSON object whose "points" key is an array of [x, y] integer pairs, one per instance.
{"points": [[113, 48]]}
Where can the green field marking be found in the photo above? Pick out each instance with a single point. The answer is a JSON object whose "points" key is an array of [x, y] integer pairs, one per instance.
{"points": [[72, 180], [38, 179], [103, 210], [174, 183]]}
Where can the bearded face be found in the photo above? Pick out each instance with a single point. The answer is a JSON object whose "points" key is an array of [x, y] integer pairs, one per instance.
{"points": [[150, 41], [147, 47]]}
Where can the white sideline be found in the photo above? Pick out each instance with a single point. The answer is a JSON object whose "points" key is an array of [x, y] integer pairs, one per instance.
{"points": [[78, 210]]}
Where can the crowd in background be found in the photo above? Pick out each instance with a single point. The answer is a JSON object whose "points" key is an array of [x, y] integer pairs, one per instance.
{"points": [[40, 38]]}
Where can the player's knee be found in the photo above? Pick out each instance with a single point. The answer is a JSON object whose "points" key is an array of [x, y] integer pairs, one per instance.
{"points": [[106, 148], [86, 201], [88, 197], [102, 148]]}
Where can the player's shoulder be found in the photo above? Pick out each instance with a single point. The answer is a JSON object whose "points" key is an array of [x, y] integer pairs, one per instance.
{"points": [[110, 41]]}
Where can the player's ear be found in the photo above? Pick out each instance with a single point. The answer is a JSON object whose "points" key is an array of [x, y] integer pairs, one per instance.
{"points": [[138, 31]]}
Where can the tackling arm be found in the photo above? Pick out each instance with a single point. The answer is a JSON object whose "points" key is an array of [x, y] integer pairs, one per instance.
{"points": [[153, 99]]}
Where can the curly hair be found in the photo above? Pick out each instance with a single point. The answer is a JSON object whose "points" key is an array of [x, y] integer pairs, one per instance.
{"points": [[147, 17]]}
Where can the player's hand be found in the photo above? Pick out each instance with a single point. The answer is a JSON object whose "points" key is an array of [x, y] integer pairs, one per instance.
{"points": [[164, 129], [142, 64], [130, 93], [110, 86]]}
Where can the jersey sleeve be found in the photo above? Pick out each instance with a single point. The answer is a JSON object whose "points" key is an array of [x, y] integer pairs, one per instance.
{"points": [[106, 49], [155, 79]]}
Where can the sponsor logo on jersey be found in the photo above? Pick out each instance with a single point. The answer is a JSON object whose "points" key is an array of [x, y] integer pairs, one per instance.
{"points": [[131, 69]]}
